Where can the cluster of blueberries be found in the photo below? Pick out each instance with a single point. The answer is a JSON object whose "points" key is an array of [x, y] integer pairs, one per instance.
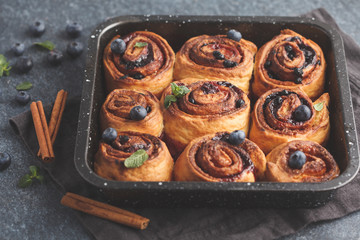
{"points": [[25, 63]]}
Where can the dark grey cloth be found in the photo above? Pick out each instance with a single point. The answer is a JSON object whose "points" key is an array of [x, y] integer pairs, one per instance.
{"points": [[185, 223]]}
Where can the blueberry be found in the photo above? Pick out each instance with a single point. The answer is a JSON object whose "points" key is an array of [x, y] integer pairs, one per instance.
{"points": [[278, 101], [55, 57], [5, 161], [118, 46], [288, 48], [148, 109], [229, 64], [218, 55], [18, 49], [123, 139], [298, 80], [37, 28], [109, 135], [302, 113], [74, 49], [267, 64], [73, 29], [237, 137], [192, 100], [298, 72], [239, 103], [234, 35], [284, 92], [297, 160], [138, 113], [24, 64], [291, 55], [22, 97]]}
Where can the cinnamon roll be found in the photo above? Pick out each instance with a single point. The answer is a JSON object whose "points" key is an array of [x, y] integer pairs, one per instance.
{"points": [[146, 63], [110, 158], [117, 107], [281, 116], [208, 107], [212, 158], [218, 58], [289, 61], [300, 161]]}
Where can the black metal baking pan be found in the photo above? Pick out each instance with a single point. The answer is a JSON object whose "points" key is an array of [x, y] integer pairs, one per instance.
{"points": [[176, 30]]}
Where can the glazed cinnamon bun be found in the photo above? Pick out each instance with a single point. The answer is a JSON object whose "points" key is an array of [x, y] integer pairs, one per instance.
{"points": [[116, 112], [144, 60], [300, 161], [217, 58], [110, 158], [281, 116], [208, 107], [213, 158], [290, 61]]}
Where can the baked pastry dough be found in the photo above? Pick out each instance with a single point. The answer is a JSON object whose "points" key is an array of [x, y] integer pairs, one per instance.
{"points": [[289, 61], [109, 159], [148, 67], [115, 112], [196, 60], [212, 158], [273, 122], [209, 107], [320, 166]]}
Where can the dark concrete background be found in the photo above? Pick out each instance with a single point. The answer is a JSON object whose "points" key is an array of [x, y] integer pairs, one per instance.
{"points": [[35, 212]]}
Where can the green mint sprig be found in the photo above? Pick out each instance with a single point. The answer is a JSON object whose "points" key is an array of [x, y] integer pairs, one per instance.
{"points": [[46, 44], [26, 180], [136, 159], [4, 66], [24, 86], [140, 44], [177, 92], [319, 106]]}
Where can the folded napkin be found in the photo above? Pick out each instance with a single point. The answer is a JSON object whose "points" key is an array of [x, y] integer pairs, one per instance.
{"points": [[203, 223]]}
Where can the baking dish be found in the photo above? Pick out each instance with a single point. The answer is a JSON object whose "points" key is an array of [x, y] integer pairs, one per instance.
{"points": [[176, 30]]}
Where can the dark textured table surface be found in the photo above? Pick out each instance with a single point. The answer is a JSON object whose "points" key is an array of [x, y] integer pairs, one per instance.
{"points": [[35, 212]]}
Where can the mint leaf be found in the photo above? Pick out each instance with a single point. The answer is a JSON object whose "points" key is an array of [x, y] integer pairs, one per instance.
{"points": [[168, 100], [319, 106], [46, 44], [25, 181], [24, 86], [34, 170], [4, 66], [136, 159], [179, 91], [140, 44]]}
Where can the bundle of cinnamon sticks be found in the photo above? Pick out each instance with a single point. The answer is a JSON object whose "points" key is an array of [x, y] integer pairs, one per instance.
{"points": [[46, 135]]}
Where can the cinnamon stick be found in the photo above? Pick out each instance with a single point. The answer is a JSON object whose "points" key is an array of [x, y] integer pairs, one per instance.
{"points": [[42, 131], [56, 115], [105, 211]]}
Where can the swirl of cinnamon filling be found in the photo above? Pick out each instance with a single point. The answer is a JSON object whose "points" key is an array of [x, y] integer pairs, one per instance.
{"points": [[109, 160], [216, 57], [209, 107], [212, 158], [274, 120], [147, 63], [320, 166], [115, 112], [290, 60]]}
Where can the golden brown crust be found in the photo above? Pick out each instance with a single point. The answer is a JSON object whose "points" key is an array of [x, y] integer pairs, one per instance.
{"points": [[109, 159], [196, 60], [320, 166], [115, 112], [156, 64], [305, 54], [214, 109], [211, 158], [273, 125]]}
